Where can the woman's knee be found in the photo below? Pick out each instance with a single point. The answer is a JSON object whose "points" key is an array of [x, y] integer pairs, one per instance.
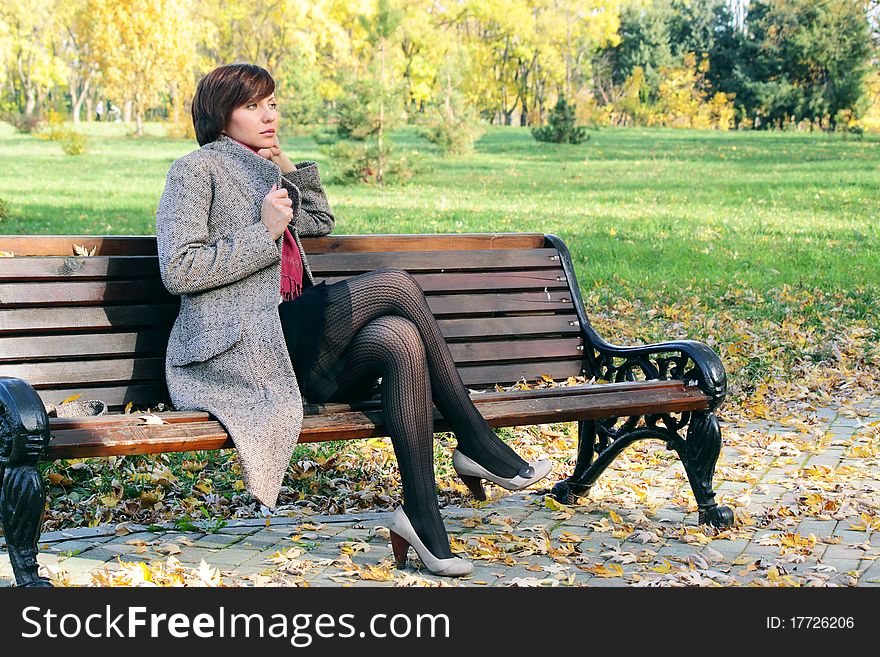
{"points": [[399, 337], [400, 278]]}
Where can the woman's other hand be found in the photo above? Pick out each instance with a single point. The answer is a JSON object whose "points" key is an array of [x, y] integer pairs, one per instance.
{"points": [[276, 155], [277, 211]]}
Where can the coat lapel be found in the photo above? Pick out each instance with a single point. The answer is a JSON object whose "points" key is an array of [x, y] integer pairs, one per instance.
{"points": [[265, 169]]}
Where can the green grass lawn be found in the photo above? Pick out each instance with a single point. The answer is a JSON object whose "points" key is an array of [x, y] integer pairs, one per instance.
{"points": [[765, 245], [639, 208]]}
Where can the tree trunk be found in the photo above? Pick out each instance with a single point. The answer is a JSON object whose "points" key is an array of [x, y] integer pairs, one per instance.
{"points": [[126, 110], [75, 105], [31, 102], [77, 99], [381, 111], [175, 104], [450, 118]]}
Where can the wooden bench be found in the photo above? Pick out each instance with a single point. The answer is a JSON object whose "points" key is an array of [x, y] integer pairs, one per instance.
{"points": [[508, 304]]}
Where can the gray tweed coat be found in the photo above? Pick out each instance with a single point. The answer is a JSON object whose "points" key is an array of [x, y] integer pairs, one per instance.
{"points": [[226, 353]]}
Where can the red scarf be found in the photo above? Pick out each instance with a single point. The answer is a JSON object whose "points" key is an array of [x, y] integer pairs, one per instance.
{"points": [[291, 268]]}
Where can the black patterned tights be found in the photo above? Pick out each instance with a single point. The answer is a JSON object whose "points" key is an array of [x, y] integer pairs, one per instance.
{"points": [[379, 325]]}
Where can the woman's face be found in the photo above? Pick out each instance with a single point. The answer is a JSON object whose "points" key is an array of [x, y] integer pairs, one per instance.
{"points": [[255, 123]]}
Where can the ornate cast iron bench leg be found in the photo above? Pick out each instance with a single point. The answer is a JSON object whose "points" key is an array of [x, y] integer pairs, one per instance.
{"points": [[578, 484], [24, 437], [699, 455], [599, 443]]}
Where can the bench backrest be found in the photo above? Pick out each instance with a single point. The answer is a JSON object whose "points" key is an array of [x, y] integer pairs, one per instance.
{"points": [[98, 325]]}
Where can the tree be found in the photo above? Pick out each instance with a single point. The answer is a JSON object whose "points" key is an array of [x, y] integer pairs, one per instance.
{"points": [[30, 55], [77, 39], [424, 49], [456, 126], [142, 47], [805, 60], [562, 127], [381, 29]]}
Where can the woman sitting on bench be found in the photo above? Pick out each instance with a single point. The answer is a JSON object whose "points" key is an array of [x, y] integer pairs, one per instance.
{"points": [[228, 228]]}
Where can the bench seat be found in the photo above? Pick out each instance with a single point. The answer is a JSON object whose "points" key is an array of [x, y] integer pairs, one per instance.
{"points": [[119, 434]]}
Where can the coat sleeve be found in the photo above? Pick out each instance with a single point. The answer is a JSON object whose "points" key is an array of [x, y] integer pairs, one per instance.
{"points": [[315, 218], [188, 261]]}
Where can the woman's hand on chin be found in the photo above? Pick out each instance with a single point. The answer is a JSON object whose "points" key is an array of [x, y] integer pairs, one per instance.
{"points": [[276, 155]]}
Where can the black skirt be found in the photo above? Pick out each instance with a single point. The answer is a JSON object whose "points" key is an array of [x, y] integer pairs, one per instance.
{"points": [[304, 323]]}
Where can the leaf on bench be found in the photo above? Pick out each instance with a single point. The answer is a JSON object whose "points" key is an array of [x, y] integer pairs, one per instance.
{"points": [[84, 251], [149, 418]]}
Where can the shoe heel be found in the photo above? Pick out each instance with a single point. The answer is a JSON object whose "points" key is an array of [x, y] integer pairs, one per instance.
{"points": [[476, 486], [399, 547]]}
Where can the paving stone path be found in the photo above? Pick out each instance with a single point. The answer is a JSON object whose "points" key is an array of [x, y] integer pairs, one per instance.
{"points": [[516, 540]]}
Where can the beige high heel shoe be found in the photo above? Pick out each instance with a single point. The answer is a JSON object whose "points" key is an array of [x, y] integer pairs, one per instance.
{"points": [[472, 474], [403, 535]]}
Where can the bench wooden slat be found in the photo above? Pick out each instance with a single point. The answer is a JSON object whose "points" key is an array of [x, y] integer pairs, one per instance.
{"points": [[422, 242], [87, 318], [120, 419], [63, 245], [79, 345], [483, 375], [551, 279], [327, 264], [495, 303], [44, 375], [139, 439], [50, 268], [503, 351], [55, 245], [454, 330], [144, 438], [146, 393], [75, 293], [152, 392], [510, 327]]}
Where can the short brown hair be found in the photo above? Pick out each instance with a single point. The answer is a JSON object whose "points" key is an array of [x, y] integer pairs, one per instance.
{"points": [[223, 90]]}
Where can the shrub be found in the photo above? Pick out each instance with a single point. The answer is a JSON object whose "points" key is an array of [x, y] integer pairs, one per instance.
{"points": [[55, 126], [562, 127], [22, 122], [357, 109], [455, 126], [325, 135], [73, 143], [4, 209], [457, 138], [358, 162]]}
